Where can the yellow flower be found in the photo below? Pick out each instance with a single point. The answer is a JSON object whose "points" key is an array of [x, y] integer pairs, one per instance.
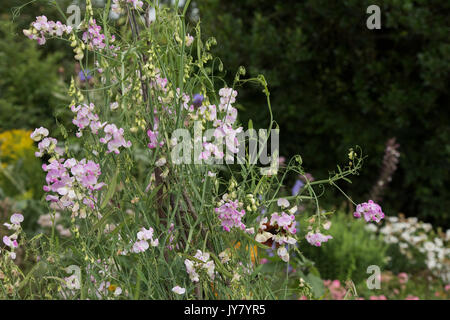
{"points": [[112, 288], [253, 251], [351, 154], [14, 145]]}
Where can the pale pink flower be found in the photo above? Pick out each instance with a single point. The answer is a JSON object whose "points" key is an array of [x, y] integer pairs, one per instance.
{"points": [[178, 290]]}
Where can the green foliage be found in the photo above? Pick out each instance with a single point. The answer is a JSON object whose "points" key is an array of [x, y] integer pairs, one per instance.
{"points": [[29, 82], [349, 253], [335, 83]]}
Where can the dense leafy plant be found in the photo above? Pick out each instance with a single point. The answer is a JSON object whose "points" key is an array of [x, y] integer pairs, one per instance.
{"points": [[131, 213], [333, 82]]}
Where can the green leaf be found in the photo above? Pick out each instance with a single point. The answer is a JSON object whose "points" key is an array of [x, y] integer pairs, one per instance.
{"points": [[316, 284]]}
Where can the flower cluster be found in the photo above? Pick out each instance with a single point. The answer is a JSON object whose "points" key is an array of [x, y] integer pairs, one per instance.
{"points": [[317, 238], [72, 181], [143, 236], [153, 135], [42, 27], [278, 230], [230, 216], [85, 117], [370, 210], [227, 98], [412, 235], [11, 241], [193, 267], [336, 291], [15, 144], [94, 38], [114, 138], [224, 130], [48, 145]]}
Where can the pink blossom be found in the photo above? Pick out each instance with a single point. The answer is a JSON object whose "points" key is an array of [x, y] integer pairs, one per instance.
{"points": [[316, 239], [47, 145], [230, 216], [114, 138], [10, 242], [140, 246], [16, 218], [370, 210], [402, 277], [285, 221], [178, 290], [42, 28], [143, 236]]}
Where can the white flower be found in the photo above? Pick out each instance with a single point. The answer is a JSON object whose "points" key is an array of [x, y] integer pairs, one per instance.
{"points": [[16, 218], [294, 209], [371, 227], [263, 237], [140, 246], [39, 133], [72, 282], [211, 174], [114, 105], [283, 254], [160, 162], [283, 203], [438, 242], [118, 291], [189, 40], [327, 225], [429, 246], [145, 234], [250, 230], [178, 290], [391, 239]]}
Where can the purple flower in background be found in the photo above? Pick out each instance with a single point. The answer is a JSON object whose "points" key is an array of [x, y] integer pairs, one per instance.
{"points": [[297, 186], [84, 75], [197, 100]]}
